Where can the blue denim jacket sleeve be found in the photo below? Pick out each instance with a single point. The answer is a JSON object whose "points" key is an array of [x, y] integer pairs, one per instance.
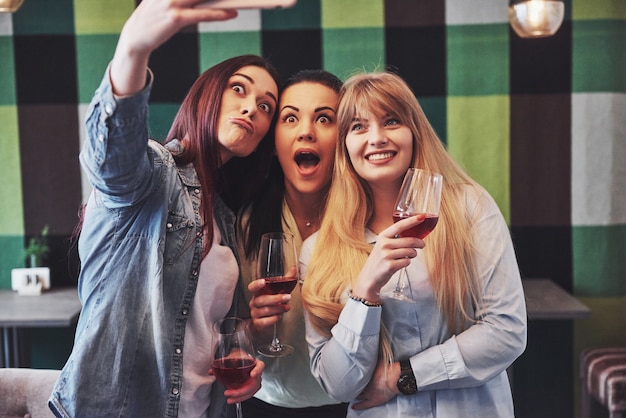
{"points": [[114, 156]]}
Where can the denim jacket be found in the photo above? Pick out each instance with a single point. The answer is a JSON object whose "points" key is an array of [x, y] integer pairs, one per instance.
{"points": [[140, 250]]}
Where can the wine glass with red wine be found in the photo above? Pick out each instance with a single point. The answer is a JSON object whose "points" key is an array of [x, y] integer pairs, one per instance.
{"points": [[234, 356], [278, 265], [420, 194]]}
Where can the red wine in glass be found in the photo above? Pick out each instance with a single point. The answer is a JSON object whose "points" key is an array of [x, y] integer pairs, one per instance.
{"points": [[233, 372], [277, 264], [421, 230], [420, 193], [233, 359], [279, 285]]}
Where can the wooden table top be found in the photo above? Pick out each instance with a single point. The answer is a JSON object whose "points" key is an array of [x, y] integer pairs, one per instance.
{"points": [[547, 300], [58, 307]]}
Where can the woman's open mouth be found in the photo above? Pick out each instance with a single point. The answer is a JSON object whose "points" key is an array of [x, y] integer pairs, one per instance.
{"points": [[307, 161]]}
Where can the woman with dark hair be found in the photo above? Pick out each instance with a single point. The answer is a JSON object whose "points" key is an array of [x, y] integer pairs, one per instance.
{"points": [[292, 200], [157, 246]]}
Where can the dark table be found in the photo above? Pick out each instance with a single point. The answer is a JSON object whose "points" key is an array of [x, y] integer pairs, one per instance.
{"points": [[543, 377], [53, 308], [547, 300]]}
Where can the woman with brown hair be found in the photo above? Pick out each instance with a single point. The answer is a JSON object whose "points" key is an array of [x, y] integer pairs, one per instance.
{"points": [[157, 246]]}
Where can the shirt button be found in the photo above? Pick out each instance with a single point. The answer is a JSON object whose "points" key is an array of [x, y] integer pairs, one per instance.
{"points": [[169, 225], [175, 390], [108, 109], [194, 273], [178, 351], [101, 137], [185, 311], [196, 191]]}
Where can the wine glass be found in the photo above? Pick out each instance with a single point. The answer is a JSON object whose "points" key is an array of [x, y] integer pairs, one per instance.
{"points": [[278, 265], [234, 356], [420, 194]]}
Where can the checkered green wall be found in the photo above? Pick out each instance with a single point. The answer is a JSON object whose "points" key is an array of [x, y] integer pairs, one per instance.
{"points": [[539, 122]]}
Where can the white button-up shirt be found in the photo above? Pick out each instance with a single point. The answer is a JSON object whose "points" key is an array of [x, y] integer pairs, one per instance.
{"points": [[460, 375]]}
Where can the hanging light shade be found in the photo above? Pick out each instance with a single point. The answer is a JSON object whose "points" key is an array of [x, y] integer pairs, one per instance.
{"points": [[10, 6], [536, 18]]}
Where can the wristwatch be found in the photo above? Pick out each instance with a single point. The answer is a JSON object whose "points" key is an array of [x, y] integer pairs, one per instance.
{"points": [[406, 381]]}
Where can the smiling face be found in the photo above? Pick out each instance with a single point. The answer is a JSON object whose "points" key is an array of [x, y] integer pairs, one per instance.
{"points": [[380, 147], [248, 105], [306, 134]]}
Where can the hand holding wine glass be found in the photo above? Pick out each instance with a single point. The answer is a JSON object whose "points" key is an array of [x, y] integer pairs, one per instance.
{"points": [[420, 194], [278, 265], [234, 356]]}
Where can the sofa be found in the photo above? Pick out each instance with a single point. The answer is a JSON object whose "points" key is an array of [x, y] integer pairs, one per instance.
{"points": [[24, 393]]}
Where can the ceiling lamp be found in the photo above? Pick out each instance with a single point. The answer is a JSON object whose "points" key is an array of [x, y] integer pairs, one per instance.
{"points": [[536, 18], [10, 6]]}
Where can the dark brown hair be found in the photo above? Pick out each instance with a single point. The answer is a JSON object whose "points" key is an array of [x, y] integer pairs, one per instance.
{"points": [[266, 208]]}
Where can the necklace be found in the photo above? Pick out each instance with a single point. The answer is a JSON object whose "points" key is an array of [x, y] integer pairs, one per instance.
{"points": [[308, 223]]}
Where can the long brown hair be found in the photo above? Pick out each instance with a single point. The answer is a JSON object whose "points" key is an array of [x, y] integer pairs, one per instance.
{"points": [[197, 120]]}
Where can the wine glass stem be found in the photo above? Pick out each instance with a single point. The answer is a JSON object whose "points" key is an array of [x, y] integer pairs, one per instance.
{"points": [[275, 342], [400, 284], [239, 412]]}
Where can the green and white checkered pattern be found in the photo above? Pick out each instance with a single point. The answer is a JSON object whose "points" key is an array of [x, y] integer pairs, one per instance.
{"points": [[539, 122]]}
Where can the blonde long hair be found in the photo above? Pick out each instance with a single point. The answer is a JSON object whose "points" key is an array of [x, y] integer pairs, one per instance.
{"points": [[341, 249]]}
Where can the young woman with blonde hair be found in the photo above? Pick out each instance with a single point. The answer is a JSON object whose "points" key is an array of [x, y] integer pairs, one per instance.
{"points": [[447, 353]]}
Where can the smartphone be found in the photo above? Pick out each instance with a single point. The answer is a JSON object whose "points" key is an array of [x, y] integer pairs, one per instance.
{"points": [[248, 4]]}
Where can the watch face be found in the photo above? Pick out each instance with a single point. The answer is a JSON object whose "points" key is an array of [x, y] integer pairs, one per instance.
{"points": [[407, 385]]}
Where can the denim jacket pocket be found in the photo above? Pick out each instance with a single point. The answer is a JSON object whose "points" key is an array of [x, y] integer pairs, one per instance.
{"points": [[179, 230]]}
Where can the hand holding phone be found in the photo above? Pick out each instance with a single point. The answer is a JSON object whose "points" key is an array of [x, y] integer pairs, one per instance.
{"points": [[248, 4]]}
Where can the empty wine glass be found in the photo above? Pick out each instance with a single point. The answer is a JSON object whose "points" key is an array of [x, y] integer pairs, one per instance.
{"points": [[278, 265], [234, 356], [420, 194]]}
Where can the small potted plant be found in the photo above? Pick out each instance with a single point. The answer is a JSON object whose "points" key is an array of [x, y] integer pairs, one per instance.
{"points": [[38, 248], [31, 280]]}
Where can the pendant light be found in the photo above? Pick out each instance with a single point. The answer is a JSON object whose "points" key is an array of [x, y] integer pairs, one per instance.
{"points": [[536, 18], [10, 6]]}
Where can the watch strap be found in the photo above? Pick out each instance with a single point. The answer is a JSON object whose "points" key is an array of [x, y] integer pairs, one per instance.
{"points": [[405, 366], [407, 384]]}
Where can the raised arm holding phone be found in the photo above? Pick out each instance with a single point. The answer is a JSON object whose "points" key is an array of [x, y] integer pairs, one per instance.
{"points": [[159, 264]]}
